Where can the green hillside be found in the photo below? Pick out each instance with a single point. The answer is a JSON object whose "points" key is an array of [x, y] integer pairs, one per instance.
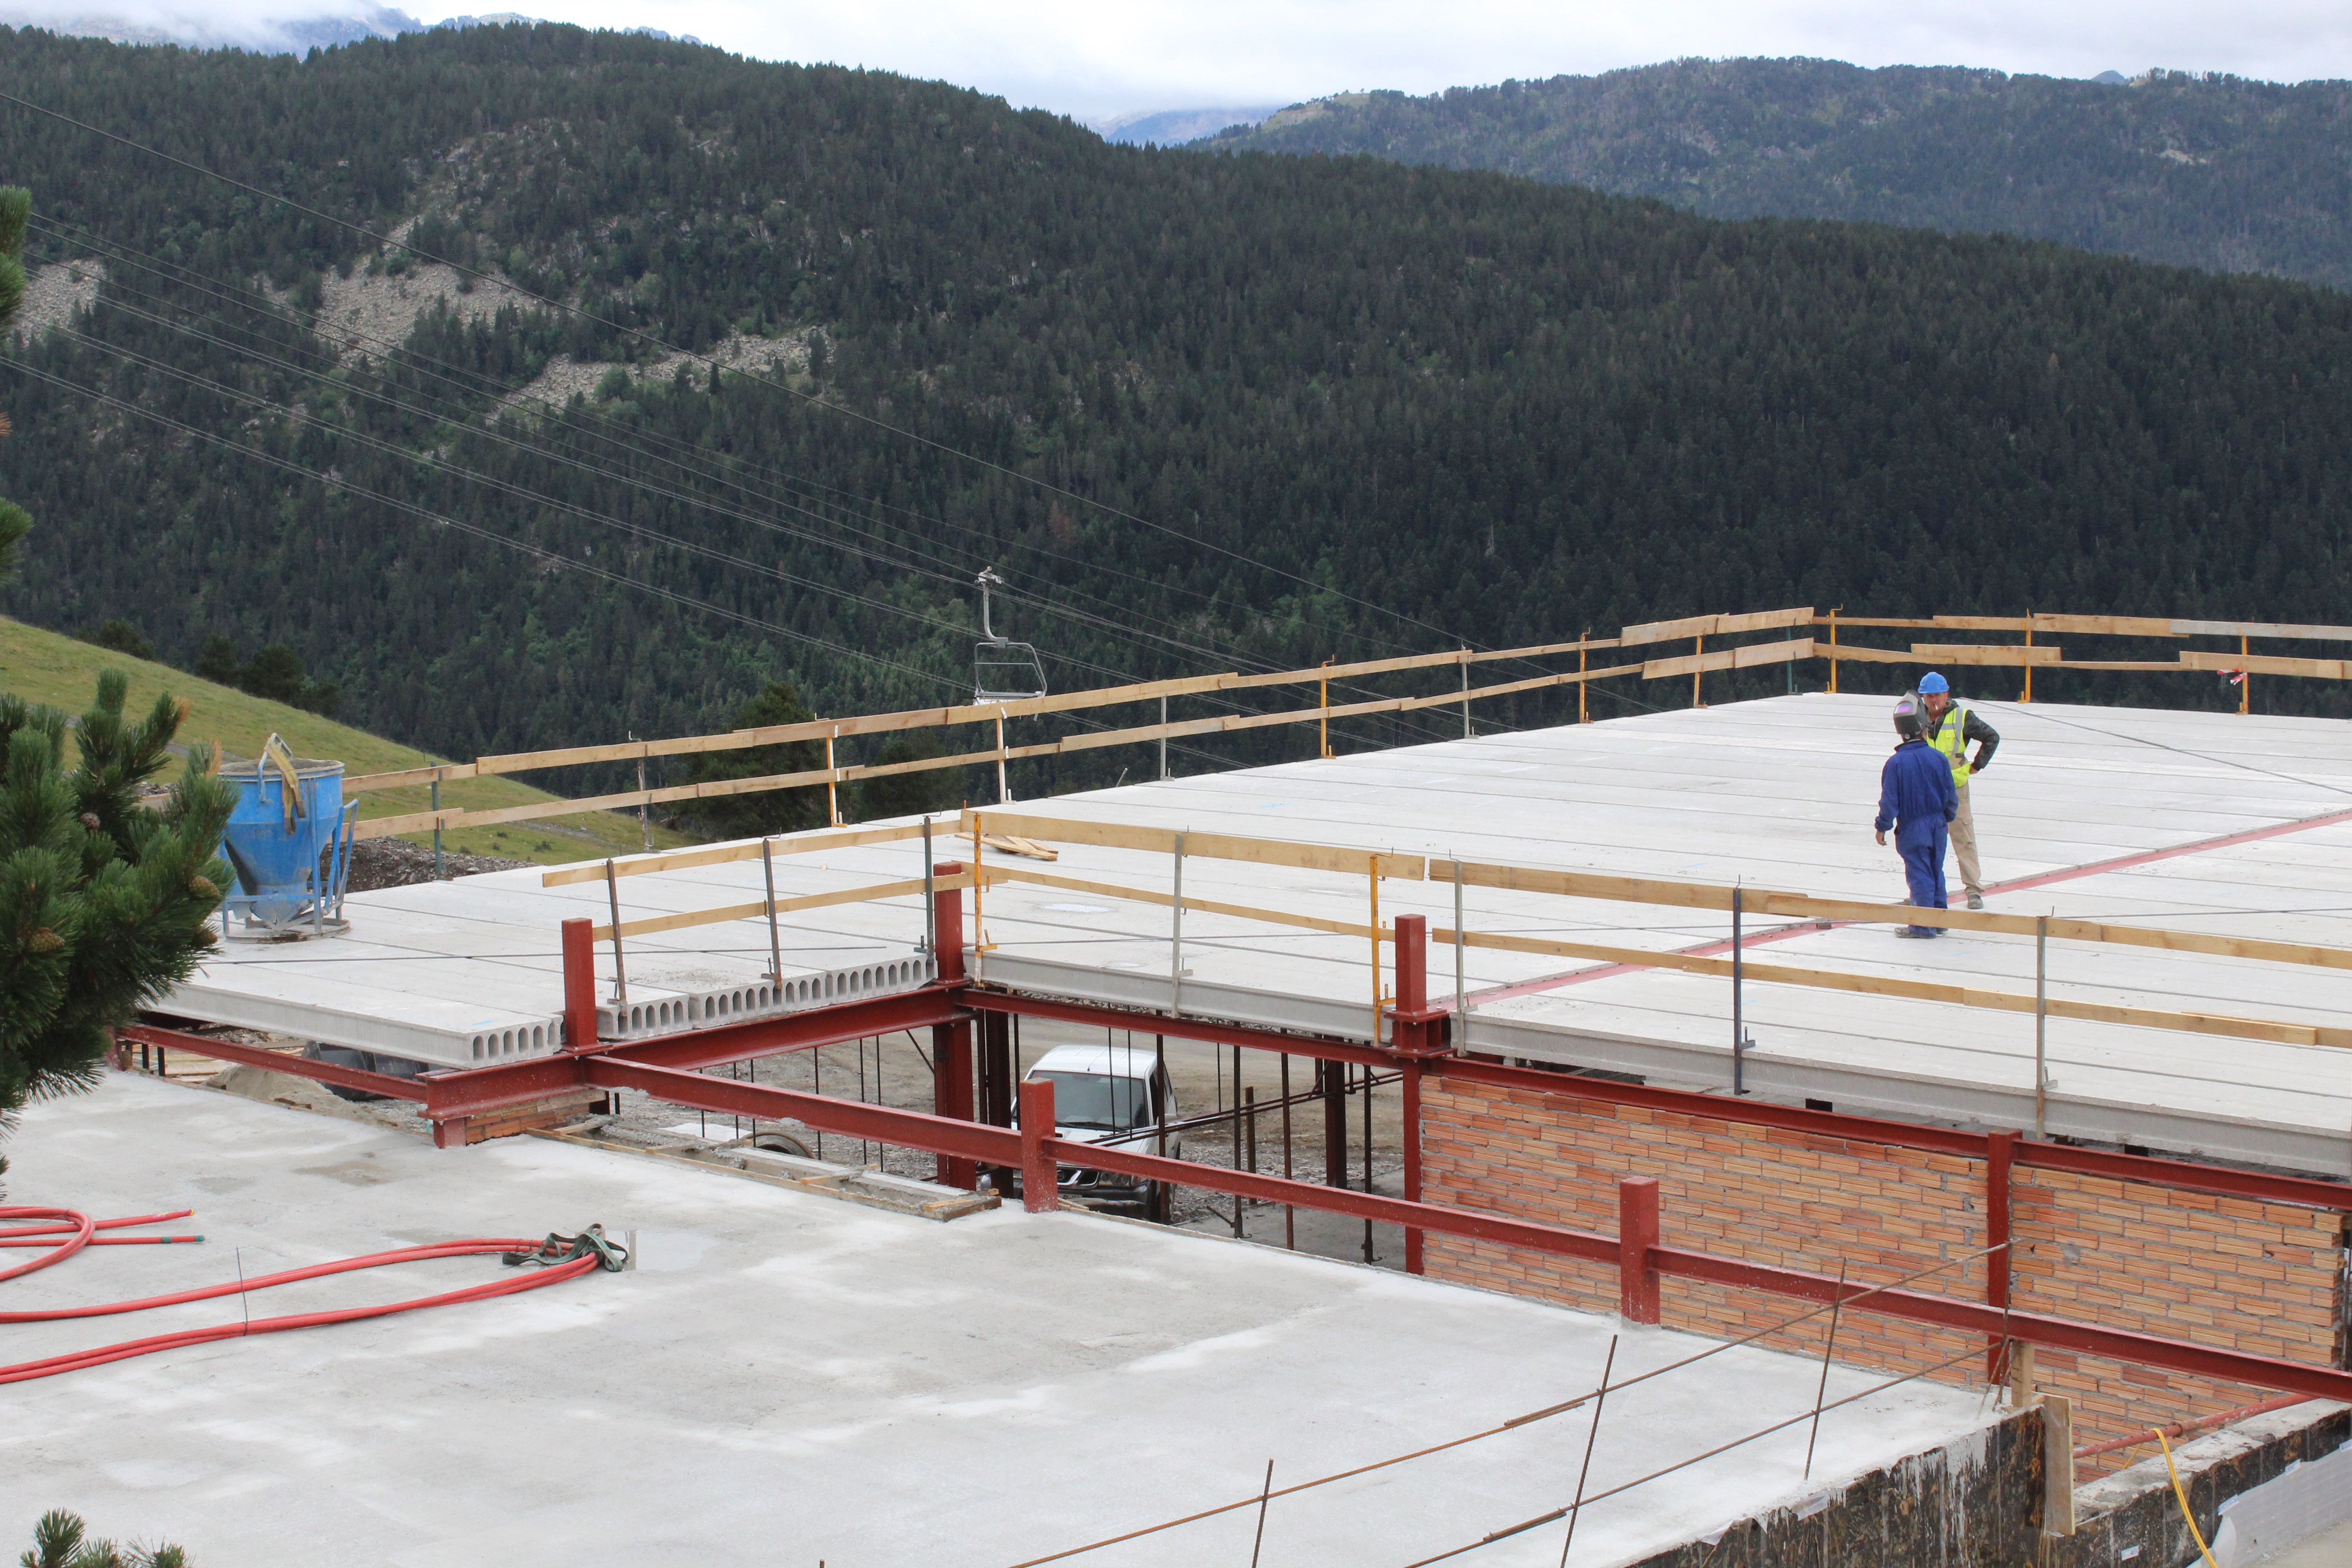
{"points": [[2201, 170], [1202, 411], [47, 667]]}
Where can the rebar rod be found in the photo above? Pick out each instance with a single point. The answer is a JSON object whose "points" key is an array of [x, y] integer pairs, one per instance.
{"points": [[1591, 1435], [1821, 1391], [2040, 1026], [775, 937], [1290, 1211], [620, 972]]}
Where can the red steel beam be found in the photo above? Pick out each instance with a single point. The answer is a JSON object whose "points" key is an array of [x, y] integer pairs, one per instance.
{"points": [[2055, 1333], [1721, 1107], [851, 1118], [276, 1062], [1183, 1028], [2186, 1174]]}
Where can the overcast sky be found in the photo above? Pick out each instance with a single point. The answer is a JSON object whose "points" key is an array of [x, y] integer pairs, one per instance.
{"points": [[1097, 58]]}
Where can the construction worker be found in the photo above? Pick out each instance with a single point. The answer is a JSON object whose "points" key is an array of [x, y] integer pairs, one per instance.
{"points": [[1949, 727], [1917, 798]]}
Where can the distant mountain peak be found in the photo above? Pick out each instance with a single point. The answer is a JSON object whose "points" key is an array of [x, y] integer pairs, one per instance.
{"points": [[1174, 127]]}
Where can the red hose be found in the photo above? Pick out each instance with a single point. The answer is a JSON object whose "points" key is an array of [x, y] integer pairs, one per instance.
{"points": [[77, 1230]]}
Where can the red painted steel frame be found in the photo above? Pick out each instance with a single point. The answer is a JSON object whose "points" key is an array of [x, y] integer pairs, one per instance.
{"points": [[1637, 1255], [1101, 1017], [2188, 1175]]}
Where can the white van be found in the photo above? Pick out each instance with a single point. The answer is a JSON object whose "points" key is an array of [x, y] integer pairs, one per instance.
{"points": [[1104, 1091]]}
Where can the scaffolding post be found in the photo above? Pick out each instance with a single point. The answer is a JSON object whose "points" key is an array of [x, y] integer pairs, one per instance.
{"points": [[2041, 1025], [1583, 683], [775, 939], [645, 818], [1003, 790], [1738, 1022], [1176, 935], [1323, 701], [1834, 615], [1465, 693], [620, 973], [1163, 740], [2245, 676], [2028, 695], [437, 875]]}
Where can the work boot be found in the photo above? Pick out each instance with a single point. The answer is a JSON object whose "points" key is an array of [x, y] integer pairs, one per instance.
{"points": [[1976, 900]]}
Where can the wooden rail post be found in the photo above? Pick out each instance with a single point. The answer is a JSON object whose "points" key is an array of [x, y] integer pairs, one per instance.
{"points": [[951, 1086], [1040, 1176], [1637, 1234]]}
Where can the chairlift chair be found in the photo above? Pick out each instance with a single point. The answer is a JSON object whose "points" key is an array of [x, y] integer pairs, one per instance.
{"points": [[1002, 670]]}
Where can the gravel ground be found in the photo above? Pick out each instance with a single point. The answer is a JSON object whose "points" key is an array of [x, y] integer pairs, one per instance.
{"points": [[397, 863]]}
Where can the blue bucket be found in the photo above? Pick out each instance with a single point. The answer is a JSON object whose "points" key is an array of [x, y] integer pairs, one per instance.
{"points": [[290, 848]]}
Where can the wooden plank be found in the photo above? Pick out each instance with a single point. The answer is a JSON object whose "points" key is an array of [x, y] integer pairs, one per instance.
{"points": [[1199, 906], [1894, 621], [1768, 902], [813, 841], [2262, 629], [2057, 1465], [445, 771], [1986, 653], [2263, 664], [1980, 622], [2107, 626], [1730, 658], [2145, 665], [757, 909], [1668, 631], [1762, 620], [1916, 990], [1197, 846], [1874, 655]]}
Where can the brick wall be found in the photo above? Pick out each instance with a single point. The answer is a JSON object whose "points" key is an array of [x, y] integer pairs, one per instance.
{"points": [[2216, 1271]]}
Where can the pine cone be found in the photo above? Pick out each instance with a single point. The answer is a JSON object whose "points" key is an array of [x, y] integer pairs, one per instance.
{"points": [[204, 936], [90, 820], [43, 940], [203, 888]]}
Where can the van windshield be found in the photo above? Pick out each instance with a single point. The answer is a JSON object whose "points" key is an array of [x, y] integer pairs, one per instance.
{"points": [[1096, 1100]]}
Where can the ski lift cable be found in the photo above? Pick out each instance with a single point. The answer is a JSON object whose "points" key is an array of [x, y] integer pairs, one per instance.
{"points": [[411, 358], [813, 398], [376, 394]]}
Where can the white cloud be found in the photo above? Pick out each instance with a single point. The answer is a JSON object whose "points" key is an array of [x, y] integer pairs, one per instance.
{"points": [[1089, 58]]}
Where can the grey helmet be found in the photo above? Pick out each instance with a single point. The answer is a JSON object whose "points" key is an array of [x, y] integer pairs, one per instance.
{"points": [[1906, 719]]}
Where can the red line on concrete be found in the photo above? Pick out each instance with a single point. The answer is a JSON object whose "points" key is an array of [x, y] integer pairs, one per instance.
{"points": [[1808, 928]]}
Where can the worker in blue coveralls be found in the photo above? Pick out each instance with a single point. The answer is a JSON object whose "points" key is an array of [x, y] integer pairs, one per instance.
{"points": [[1918, 799]]}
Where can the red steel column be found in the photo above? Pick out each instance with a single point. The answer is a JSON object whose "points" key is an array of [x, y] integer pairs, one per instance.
{"points": [[578, 985], [1637, 1233], [947, 921], [2001, 1156], [1413, 1030], [951, 1043], [1411, 1071], [1040, 1175]]}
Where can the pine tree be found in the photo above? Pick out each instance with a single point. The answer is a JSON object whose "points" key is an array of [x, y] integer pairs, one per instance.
{"points": [[103, 896], [16, 206], [775, 811]]}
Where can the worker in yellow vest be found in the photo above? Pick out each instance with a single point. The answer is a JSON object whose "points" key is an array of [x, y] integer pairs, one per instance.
{"points": [[1951, 727]]}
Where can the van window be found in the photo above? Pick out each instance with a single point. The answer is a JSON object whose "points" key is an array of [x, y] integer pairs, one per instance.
{"points": [[1096, 1100]]}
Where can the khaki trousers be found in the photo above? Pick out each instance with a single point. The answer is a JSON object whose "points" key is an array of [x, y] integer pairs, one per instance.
{"points": [[1964, 847]]}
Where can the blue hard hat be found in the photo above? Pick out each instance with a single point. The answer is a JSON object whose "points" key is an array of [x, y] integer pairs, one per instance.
{"points": [[1931, 681]]}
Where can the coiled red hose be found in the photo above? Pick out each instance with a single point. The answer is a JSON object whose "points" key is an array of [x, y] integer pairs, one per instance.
{"points": [[78, 1230]]}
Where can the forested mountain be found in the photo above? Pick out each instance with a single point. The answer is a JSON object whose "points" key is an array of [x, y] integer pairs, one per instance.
{"points": [[1293, 408], [2201, 170]]}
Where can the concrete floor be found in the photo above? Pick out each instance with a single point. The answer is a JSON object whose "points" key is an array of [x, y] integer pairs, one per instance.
{"points": [[789, 1379], [2330, 1548]]}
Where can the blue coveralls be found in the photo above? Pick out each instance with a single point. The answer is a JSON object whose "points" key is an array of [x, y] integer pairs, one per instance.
{"points": [[1918, 799]]}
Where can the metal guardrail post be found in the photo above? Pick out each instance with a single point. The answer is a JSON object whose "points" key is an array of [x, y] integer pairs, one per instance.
{"points": [[1040, 1174], [1637, 1236]]}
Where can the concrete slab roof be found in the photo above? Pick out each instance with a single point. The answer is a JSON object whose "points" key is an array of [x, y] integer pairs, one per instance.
{"points": [[789, 1379], [1776, 794]]}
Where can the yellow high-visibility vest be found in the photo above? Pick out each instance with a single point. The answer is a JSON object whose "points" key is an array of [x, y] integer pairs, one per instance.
{"points": [[1952, 737]]}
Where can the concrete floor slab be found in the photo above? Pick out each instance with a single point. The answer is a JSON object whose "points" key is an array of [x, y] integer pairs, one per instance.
{"points": [[789, 1379], [1775, 794]]}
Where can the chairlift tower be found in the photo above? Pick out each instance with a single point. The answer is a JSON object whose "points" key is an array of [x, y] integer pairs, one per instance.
{"points": [[1002, 670]]}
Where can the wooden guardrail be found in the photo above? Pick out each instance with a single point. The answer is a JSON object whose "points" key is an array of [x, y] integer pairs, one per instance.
{"points": [[1376, 866], [1824, 643]]}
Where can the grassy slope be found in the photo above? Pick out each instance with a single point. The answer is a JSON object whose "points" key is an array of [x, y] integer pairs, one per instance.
{"points": [[48, 666]]}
